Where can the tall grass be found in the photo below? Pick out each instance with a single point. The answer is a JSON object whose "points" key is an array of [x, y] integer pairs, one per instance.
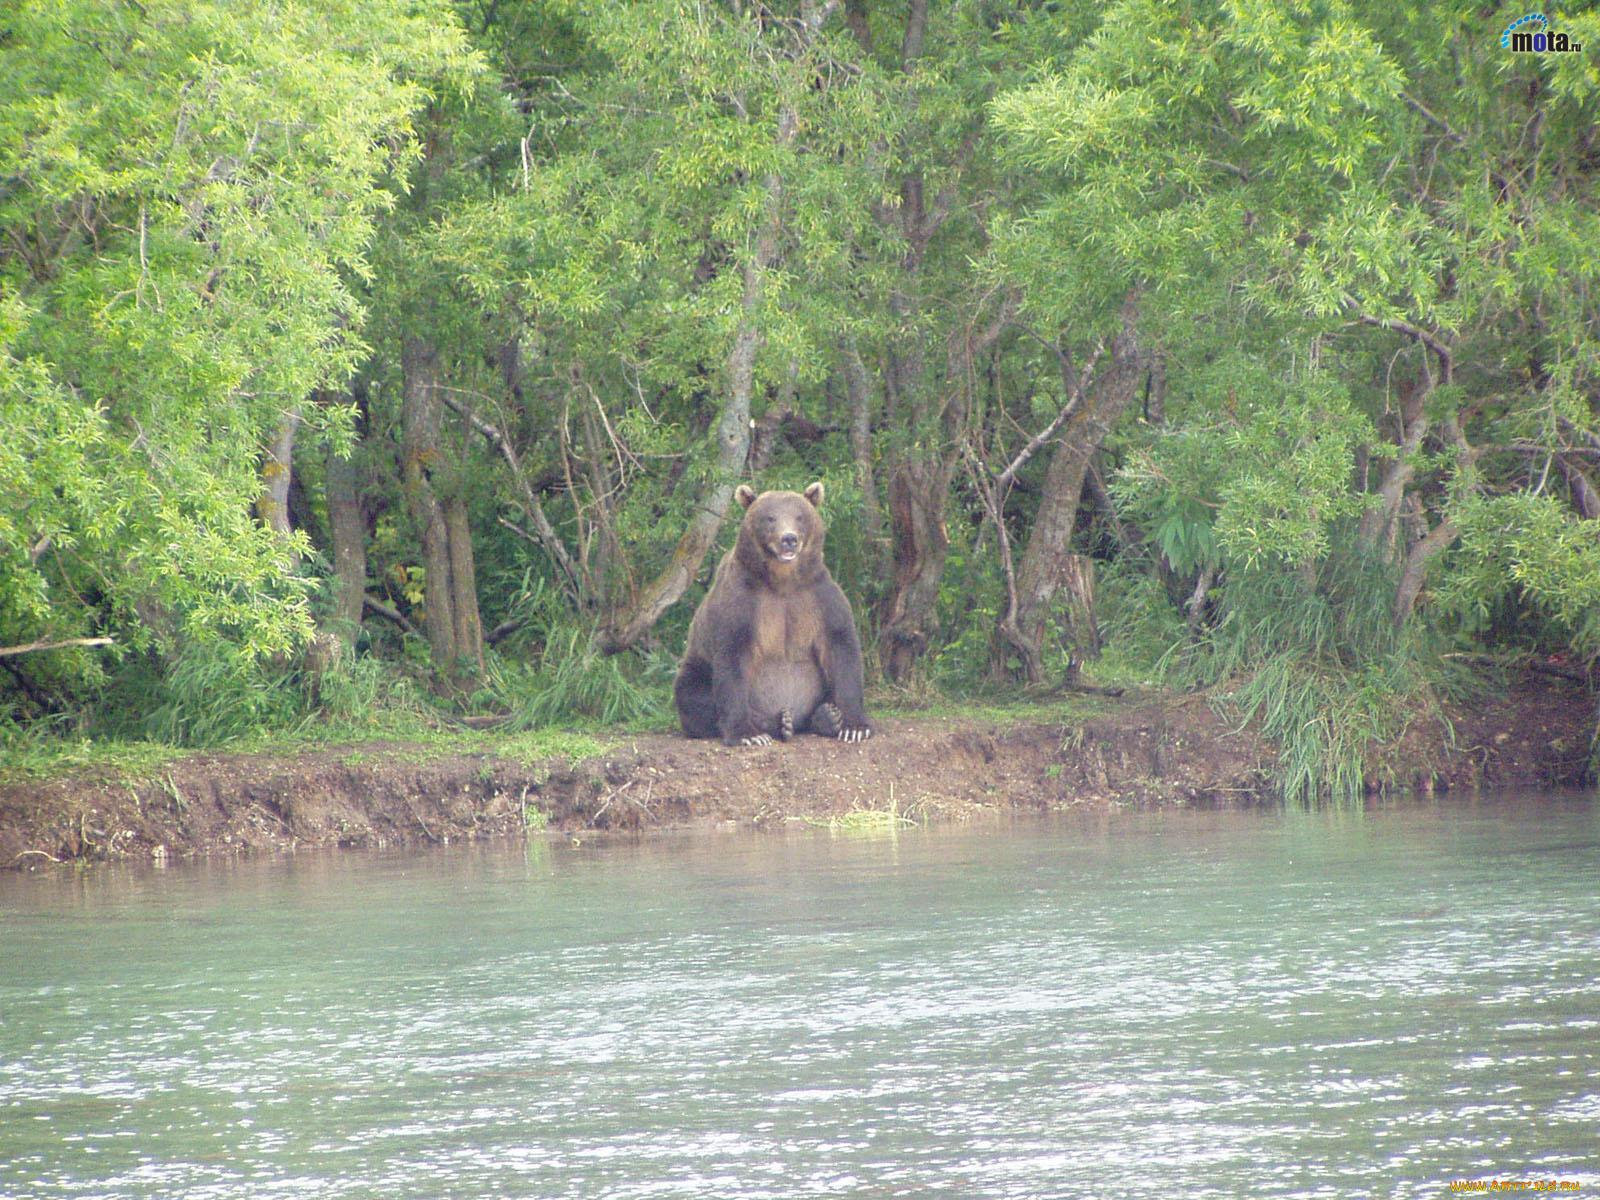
{"points": [[1138, 622], [217, 694], [571, 681], [1318, 661], [211, 694]]}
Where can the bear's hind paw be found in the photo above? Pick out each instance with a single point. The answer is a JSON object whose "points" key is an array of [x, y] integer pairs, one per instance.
{"points": [[827, 720]]}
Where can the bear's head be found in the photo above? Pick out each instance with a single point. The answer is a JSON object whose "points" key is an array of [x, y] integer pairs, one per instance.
{"points": [[781, 534]]}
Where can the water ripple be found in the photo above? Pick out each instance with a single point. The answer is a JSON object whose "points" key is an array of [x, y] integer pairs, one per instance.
{"points": [[1205, 1006]]}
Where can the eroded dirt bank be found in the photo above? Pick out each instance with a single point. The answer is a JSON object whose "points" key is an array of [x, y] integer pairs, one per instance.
{"points": [[1150, 750]]}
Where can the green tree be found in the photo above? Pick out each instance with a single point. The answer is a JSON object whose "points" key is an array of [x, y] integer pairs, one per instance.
{"points": [[1346, 219], [187, 192], [669, 240]]}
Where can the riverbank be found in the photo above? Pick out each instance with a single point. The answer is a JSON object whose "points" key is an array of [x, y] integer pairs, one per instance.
{"points": [[1148, 749]]}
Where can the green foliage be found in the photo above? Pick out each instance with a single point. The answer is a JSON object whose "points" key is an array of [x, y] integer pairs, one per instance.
{"points": [[573, 683], [1266, 481], [1369, 279], [189, 194], [1184, 530], [1360, 244], [1528, 547], [968, 608], [1319, 662]]}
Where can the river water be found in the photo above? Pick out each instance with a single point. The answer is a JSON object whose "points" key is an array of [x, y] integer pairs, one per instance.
{"points": [[1174, 1005]]}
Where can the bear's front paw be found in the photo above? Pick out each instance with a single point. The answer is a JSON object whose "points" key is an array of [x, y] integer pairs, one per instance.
{"points": [[758, 739], [829, 721]]}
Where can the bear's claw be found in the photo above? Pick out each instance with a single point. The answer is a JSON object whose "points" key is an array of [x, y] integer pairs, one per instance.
{"points": [[758, 739], [785, 725]]}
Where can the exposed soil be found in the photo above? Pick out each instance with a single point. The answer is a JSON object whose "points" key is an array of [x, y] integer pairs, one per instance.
{"points": [[1146, 750]]}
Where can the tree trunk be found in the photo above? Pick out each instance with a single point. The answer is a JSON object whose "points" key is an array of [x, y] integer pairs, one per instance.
{"points": [[450, 609], [919, 472], [731, 436], [732, 445], [467, 633], [1048, 563], [1415, 572], [272, 506], [348, 526], [923, 415], [917, 491], [543, 534], [1585, 496], [858, 402], [1380, 525], [602, 551], [1377, 525]]}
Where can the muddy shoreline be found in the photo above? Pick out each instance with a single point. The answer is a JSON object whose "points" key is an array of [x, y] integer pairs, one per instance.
{"points": [[1153, 750]]}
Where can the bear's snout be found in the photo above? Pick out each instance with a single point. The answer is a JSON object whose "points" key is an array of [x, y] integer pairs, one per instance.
{"points": [[788, 545]]}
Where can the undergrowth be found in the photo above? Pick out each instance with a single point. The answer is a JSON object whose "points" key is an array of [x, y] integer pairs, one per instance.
{"points": [[1321, 664], [571, 681], [38, 750]]}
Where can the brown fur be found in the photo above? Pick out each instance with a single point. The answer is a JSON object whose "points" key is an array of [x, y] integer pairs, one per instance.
{"points": [[773, 648], [784, 630]]}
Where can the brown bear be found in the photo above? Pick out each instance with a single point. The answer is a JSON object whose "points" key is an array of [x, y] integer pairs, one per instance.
{"points": [[772, 648]]}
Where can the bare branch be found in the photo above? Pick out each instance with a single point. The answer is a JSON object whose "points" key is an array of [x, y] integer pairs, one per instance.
{"points": [[1080, 384], [1416, 333], [1444, 125], [394, 614], [547, 537], [30, 647]]}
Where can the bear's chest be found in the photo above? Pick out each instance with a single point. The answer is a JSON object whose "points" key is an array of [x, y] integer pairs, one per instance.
{"points": [[786, 628]]}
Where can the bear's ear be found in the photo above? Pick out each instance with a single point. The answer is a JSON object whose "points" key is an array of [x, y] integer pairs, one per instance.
{"points": [[813, 493], [745, 495]]}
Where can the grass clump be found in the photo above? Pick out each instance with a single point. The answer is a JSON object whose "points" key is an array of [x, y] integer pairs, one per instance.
{"points": [[571, 681], [863, 820], [869, 821], [1320, 662]]}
